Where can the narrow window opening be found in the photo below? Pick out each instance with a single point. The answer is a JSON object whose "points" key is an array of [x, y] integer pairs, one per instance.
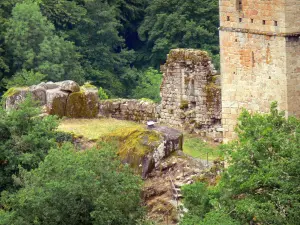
{"points": [[252, 20], [240, 20], [264, 22], [253, 59], [228, 18], [239, 5], [275, 23]]}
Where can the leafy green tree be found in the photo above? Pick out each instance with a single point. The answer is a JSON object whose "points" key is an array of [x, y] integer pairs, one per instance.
{"points": [[172, 24], [261, 185], [70, 187], [24, 78], [148, 85], [102, 94], [34, 46], [25, 139]]}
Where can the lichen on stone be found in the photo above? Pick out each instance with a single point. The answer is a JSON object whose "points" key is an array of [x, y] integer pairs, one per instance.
{"points": [[187, 55], [82, 105]]}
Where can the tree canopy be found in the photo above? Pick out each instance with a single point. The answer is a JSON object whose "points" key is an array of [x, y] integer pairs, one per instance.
{"points": [[108, 43], [261, 184], [70, 187]]}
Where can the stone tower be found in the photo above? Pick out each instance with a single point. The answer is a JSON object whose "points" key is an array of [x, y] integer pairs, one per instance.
{"points": [[260, 57]]}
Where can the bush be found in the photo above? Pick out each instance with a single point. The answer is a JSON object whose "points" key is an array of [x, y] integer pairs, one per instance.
{"points": [[25, 140], [102, 94], [261, 184], [70, 187]]}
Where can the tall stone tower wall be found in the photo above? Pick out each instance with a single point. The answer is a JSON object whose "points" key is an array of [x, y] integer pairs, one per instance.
{"points": [[191, 96], [260, 57]]}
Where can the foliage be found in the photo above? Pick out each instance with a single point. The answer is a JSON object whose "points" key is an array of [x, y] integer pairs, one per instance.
{"points": [[25, 140], [70, 187], [148, 85], [172, 24], [34, 46], [261, 184], [102, 94], [24, 78]]}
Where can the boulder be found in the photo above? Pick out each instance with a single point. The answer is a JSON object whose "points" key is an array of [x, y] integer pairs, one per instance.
{"points": [[39, 94], [83, 104], [49, 85], [56, 102], [144, 149], [69, 85], [15, 96]]}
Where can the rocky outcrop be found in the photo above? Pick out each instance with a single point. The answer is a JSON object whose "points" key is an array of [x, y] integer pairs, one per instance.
{"points": [[64, 98], [144, 149], [129, 109]]}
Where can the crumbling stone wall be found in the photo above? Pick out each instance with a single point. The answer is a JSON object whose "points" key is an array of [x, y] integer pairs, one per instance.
{"points": [[64, 98], [129, 109], [260, 58], [190, 91]]}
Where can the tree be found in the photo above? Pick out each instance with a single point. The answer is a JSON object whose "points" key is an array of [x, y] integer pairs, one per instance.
{"points": [[172, 24], [24, 78], [70, 187], [34, 46], [25, 139], [261, 185], [148, 85]]}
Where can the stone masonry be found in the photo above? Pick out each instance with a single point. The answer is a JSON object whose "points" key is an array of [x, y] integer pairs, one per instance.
{"points": [[191, 96], [260, 57]]}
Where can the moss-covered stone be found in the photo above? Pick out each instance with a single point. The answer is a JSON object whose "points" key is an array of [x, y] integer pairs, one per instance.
{"points": [[58, 107], [135, 144], [188, 55], [82, 105], [184, 104]]}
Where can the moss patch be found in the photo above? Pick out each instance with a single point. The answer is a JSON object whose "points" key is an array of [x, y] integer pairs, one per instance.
{"points": [[82, 105], [192, 55], [134, 144], [184, 104], [13, 91], [58, 107], [213, 95]]}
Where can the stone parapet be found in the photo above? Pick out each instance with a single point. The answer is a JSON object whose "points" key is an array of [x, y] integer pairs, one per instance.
{"points": [[129, 109]]}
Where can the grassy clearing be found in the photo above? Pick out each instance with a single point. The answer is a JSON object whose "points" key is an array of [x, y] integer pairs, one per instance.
{"points": [[94, 128], [197, 148]]}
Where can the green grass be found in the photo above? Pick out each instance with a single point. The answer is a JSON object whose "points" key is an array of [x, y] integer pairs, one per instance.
{"points": [[197, 148], [94, 128]]}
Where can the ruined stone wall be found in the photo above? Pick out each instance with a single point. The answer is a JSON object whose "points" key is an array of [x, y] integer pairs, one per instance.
{"points": [[129, 109], [191, 97], [260, 60]]}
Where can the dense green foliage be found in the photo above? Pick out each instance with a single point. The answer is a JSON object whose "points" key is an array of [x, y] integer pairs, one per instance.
{"points": [[110, 43], [179, 23], [148, 85], [261, 184], [70, 187], [25, 140]]}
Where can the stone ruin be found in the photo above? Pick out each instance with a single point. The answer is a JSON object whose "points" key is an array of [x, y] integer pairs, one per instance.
{"points": [[64, 98], [191, 93]]}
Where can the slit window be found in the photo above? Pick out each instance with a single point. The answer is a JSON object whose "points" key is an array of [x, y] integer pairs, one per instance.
{"points": [[239, 4], [228, 18], [252, 20], [240, 20], [275, 23], [264, 22]]}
